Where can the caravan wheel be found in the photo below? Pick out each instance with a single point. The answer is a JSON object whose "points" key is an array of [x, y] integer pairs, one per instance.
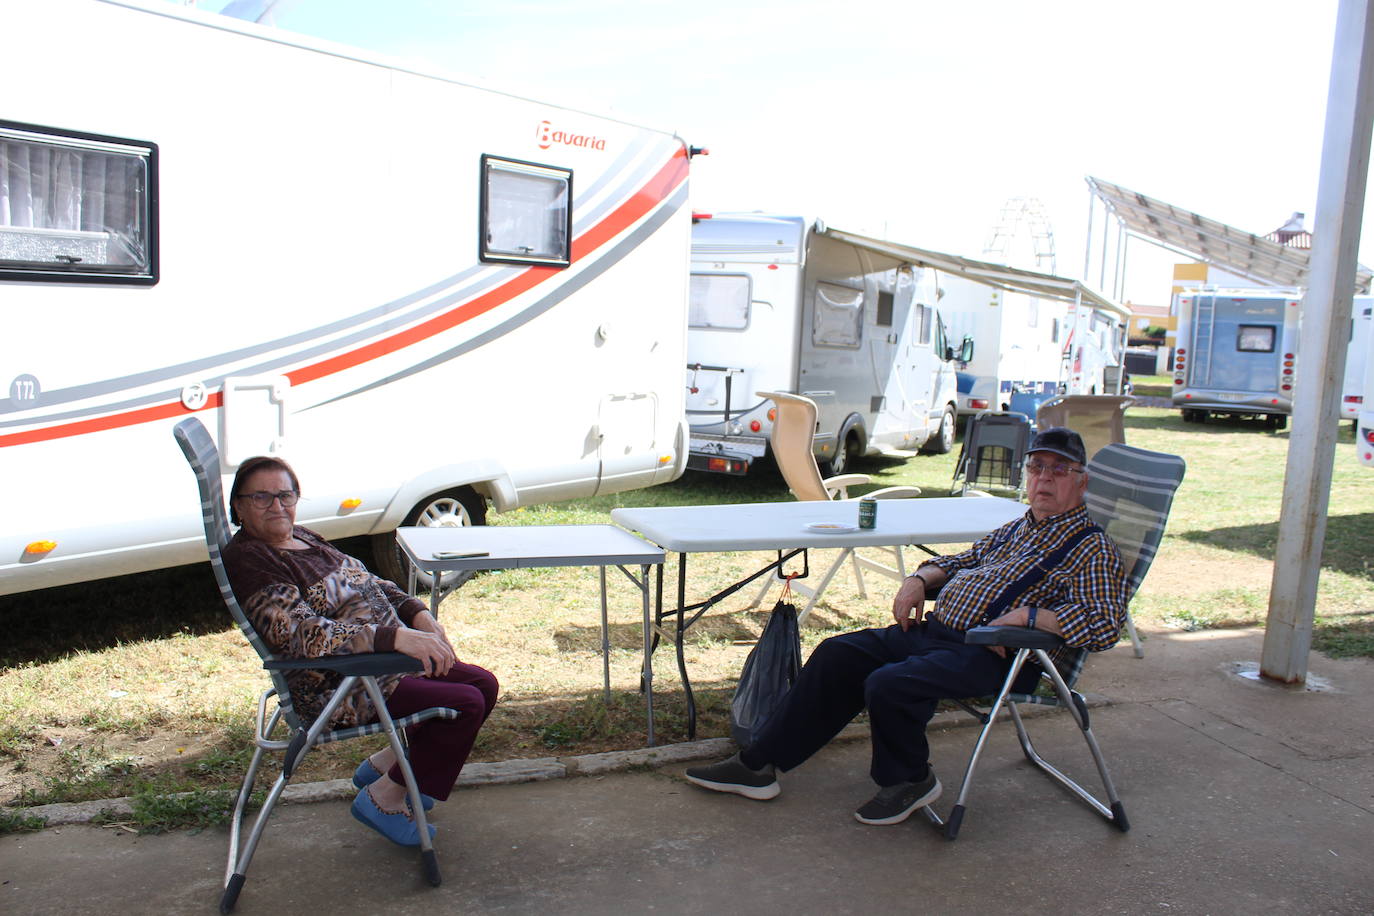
{"points": [[451, 509], [943, 440]]}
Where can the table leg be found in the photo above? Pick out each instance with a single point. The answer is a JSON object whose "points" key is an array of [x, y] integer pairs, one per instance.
{"points": [[647, 672], [605, 641], [681, 652]]}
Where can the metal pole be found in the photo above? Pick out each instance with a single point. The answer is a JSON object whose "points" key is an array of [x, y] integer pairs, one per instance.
{"points": [[1321, 362], [1116, 266], [1088, 247]]}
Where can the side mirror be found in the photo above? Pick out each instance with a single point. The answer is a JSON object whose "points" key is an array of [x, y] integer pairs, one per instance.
{"points": [[966, 350]]}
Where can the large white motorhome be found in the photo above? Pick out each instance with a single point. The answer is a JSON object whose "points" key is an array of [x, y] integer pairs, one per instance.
{"points": [[1018, 343], [1364, 423], [780, 303], [1095, 353], [1236, 354], [426, 295]]}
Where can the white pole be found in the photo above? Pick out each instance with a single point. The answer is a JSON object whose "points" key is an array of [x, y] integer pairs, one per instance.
{"points": [[1321, 359], [1088, 249]]}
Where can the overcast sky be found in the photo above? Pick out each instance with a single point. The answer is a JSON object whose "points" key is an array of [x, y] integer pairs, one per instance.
{"points": [[911, 119]]}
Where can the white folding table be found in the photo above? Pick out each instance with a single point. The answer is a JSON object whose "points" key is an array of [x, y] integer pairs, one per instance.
{"points": [[787, 528], [517, 547]]}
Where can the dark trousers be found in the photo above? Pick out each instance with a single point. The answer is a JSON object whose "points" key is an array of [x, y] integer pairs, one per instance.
{"points": [[899, 676], [440, 747]]}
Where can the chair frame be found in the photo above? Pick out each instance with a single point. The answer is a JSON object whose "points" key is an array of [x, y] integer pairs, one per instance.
{"points": [[791, 443], [359, 671], [1137, 558]]}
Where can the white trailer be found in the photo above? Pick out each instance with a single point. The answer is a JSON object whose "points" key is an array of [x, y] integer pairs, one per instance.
{"points": [[1018, 343], [424, 294], [1236, 354], [781, 303], [1094, 354], [1356, 358], [1364, 423]]}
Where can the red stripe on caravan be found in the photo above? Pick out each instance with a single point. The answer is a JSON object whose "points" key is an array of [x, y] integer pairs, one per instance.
{"points": [[655, 190], [113, 421]]}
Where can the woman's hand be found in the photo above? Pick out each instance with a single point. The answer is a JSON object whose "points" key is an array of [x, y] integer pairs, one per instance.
{"points": [[430, 648]]}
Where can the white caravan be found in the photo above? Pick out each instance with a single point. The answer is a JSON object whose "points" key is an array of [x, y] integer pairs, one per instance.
{"points": [[1094, 354], [1018, 342], [425, 295], [1236, 354], [1364, 423], [1356, 358], [782, 303]]}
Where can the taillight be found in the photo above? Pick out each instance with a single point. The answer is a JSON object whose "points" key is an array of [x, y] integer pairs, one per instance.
{"points": [[1368, 435], [755, 426], [978, 403]]}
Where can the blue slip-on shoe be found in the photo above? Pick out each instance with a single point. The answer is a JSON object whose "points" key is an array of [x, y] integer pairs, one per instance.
{"points": [[398, 828], [366, 774]]}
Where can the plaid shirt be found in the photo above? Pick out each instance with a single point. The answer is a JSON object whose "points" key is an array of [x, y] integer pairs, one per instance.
{"points": [[1086, 592]]}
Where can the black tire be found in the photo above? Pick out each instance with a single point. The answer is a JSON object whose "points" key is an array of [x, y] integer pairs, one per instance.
{"points": [[845, 451], [942, 442], [461, 506]]}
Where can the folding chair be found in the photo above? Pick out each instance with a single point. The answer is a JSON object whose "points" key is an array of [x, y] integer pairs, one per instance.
{"points": [[1129, 494], [791, 441], [359, 671], [993, 453], [1098, 418]]}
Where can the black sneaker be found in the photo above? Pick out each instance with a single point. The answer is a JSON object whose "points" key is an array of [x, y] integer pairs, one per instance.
{"points": [[894, 804], [731, 775]]}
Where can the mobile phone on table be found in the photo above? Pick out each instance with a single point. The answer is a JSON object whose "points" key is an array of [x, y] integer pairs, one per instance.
{"points": [[459, 554]]}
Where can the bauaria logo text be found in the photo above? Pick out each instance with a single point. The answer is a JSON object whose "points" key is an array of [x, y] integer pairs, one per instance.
{"points": [[548, 137]]}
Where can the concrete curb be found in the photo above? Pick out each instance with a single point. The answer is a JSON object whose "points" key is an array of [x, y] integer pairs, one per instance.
{"points": [[505, 772]]}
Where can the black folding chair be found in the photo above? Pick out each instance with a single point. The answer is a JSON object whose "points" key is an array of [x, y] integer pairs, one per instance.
{"points": [[359, 672], [993, 452], [1130, 491]]}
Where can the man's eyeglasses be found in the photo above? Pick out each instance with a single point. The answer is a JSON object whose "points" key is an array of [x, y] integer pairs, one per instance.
{"points": [[1057, 471], [262, 499]]}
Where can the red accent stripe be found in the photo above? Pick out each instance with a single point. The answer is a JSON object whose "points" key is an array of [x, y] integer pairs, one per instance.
{"points": [[655, 190]]}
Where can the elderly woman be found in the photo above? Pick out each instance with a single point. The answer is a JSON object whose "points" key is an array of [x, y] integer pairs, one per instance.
{"points": [[308, 600]]}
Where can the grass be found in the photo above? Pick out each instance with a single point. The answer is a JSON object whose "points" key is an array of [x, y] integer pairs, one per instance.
{"points": [[146, 692]]}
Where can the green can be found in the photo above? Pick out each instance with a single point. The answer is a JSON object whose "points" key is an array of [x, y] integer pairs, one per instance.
{"points": [[868, 512]]}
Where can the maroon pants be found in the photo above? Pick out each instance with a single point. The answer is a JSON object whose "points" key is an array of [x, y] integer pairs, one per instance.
{"points": [[440, 747]]}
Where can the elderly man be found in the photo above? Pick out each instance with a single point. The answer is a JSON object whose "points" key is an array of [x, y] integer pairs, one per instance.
{"points": [[1052, 569]]}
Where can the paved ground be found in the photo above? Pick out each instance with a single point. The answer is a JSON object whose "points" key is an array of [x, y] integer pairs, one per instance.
{"points": [[1244, 797]]}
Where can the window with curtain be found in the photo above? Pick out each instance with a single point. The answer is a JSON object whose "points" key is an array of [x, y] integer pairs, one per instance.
{"points": [[76, 206], [838, 319], [526, 213], [719, 301]]}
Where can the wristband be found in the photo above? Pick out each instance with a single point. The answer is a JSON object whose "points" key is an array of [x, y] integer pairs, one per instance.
{"points": [[1030, 618]]}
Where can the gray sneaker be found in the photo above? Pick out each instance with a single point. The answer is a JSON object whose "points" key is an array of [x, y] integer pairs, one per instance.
{"points": [[893, 804], [731, 775]]}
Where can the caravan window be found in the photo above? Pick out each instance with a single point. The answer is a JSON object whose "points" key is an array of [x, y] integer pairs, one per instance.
{"points": [[886, 306], [1255, 338], [526, 213], [924, 314], [719, 301], [76, 207], [839, 316]]}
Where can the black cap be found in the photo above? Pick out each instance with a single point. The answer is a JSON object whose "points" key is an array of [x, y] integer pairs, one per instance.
{"points": [[1062, 441]]}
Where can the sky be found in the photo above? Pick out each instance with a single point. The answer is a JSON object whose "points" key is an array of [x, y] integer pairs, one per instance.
{"points": [[916, 120]]}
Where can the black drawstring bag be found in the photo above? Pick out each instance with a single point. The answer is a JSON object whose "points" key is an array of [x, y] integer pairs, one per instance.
{"points": [[769, 671]]}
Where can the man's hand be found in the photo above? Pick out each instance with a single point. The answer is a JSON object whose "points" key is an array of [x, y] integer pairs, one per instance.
{"points": [[911, 596]]}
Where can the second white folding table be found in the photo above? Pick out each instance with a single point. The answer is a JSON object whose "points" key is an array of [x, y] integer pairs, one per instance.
{"points": [[790, 528]]}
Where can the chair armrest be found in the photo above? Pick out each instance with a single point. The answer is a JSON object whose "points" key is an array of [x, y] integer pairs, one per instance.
{"points": [[1013, 638], [362, 664], [840, 484], [902, 492]]}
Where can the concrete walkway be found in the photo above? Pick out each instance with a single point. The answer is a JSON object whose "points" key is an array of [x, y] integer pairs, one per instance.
{"points": [[1243, 797]]}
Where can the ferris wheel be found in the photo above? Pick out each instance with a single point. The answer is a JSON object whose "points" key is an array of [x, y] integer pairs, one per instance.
{"points": [[1022, 236]]}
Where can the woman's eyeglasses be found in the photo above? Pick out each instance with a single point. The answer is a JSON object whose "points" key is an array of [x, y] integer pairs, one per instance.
{"points": [[1057, 471], [262, 499]]}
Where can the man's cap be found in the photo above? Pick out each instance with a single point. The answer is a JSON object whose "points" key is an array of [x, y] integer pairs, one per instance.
{"points": [[1062, 441]]}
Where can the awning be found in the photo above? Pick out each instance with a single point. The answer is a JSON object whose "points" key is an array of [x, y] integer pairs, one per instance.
{"points": [[1011, 279], [1252, 256]]}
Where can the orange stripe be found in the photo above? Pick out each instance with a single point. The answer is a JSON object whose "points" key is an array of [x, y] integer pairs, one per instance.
{"points": [[655, 190]]}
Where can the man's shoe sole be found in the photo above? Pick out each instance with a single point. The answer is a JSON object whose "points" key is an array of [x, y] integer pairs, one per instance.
{"points": [[757, 793], [929, 798]]}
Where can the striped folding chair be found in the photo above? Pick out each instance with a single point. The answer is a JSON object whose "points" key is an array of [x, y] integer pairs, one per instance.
{"points": [[1130, 492], [297, 737]]}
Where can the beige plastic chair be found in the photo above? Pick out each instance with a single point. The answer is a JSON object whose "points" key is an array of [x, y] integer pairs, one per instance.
{"points": [[792, 440], [1098, 418]]}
